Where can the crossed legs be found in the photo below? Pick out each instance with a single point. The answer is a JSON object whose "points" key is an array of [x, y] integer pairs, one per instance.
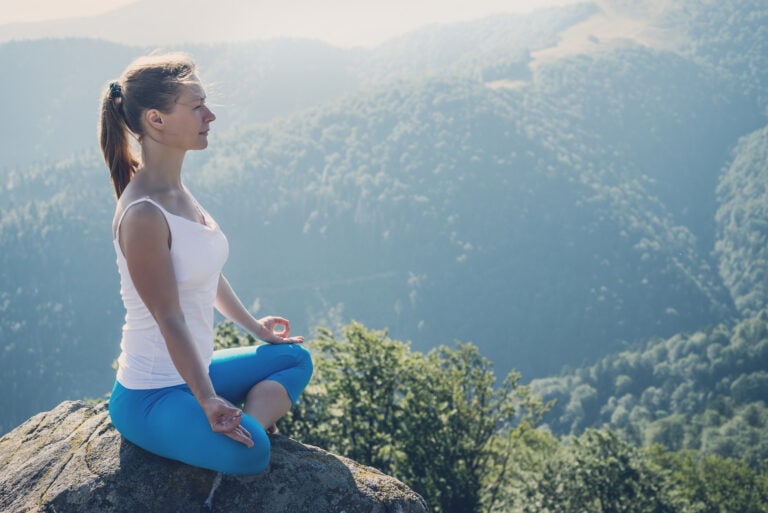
{"points": [[168, 421]]}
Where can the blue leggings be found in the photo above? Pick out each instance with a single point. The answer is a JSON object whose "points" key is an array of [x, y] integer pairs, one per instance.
{"points": [[169, 421]]}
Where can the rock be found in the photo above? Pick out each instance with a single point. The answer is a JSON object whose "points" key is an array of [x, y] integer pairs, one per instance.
{"points": [[72, 459]]}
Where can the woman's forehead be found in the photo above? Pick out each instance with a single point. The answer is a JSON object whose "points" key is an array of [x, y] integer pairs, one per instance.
{"points": [[192, 91]]}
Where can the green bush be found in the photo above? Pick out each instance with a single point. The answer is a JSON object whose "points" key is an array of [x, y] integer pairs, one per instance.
{"points": [[435, 421]]}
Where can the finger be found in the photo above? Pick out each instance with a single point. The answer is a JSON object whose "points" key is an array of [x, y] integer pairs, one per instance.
{"points": [[238, 436], [246, 435], [234, 411], [245, 432], [242, 433], [292, 340], [284, 324]]}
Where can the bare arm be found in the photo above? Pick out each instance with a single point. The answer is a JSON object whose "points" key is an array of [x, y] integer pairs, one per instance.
{"points": [[230, 306], [144, 240]]}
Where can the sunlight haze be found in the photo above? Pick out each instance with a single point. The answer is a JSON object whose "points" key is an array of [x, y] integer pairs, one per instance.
{"points": [[13, 11], [339, 22]]}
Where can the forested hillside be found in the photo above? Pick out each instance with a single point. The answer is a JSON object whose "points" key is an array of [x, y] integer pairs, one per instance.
{"points": [[448, 185], [742, 222], [703, 391]]}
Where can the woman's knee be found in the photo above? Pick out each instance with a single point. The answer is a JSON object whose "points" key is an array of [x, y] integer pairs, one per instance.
{"points": [[304, 360], [295, 355], [248, 462], [299, 375], [294, 359]]}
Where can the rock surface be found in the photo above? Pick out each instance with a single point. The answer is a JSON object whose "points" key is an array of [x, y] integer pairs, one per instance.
{"points": [[72, 459]]}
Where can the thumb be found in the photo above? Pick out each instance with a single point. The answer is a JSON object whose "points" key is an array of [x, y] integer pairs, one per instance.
{"points": [[232, 411]]}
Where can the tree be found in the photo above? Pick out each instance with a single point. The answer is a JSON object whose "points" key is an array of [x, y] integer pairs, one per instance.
{"points": [[600, 473], [713, 484], [454, 405], [435, 421], [228, 335], [525, 452]]}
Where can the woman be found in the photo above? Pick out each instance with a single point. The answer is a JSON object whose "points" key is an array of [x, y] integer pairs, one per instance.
{"points": [[174, 395]]}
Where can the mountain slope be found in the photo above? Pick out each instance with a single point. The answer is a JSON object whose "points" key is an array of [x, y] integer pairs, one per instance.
{"points": [[551, 214], [742, 221], [703, 391]]}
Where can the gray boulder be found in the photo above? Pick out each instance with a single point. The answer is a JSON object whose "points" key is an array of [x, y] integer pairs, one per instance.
{"points": [[71, 459]]}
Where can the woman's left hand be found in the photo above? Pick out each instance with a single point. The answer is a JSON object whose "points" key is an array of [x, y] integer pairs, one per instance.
{"points": [[278, 330]]}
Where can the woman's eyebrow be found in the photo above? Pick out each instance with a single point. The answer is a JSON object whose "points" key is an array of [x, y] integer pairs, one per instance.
{"points": [[196, 99]]}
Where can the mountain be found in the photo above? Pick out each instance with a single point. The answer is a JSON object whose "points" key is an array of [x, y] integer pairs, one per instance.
{"points": [[249, 82], [537, 185]]}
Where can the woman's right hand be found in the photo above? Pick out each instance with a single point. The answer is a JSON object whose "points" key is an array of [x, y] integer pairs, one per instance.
{"points": [[225, 418]]}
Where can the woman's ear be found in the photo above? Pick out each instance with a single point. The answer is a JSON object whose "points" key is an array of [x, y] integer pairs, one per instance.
{"points": [[154, 119]]}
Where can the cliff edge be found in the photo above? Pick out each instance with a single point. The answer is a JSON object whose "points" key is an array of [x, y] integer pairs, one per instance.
{"points": [[71, 459]]}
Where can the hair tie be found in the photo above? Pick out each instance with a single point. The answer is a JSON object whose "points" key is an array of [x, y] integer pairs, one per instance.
{"points": [[115, 91]]}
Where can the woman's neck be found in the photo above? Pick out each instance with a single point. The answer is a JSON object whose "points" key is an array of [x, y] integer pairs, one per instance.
{"points": [[163, 164]]}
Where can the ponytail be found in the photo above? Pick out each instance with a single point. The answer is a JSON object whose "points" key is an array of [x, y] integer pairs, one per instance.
{"points": [[114, 139]]}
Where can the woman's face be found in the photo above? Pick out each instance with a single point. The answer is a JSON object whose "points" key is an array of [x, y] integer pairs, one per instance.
{"points": [[187, 125]]}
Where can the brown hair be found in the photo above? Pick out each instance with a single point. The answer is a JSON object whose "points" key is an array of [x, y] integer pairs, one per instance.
{"points": [[150, 82]]}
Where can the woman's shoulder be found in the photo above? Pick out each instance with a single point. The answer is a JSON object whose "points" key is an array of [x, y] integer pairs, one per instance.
{"points": [[143, 211], [140, 198]]}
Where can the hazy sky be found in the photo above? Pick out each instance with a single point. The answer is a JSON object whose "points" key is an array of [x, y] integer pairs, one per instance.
{"points": [[39, 10], [339, 22], [451, 10]]}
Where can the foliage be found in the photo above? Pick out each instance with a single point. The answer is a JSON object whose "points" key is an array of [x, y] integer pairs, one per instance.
{"points": [[742, 221], [438, 422], [712, 484], [435, 421], [704, 391], [599, 473], [732, 36], [228, 335], [523, 453]]}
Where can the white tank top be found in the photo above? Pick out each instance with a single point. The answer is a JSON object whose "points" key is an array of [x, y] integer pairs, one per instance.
{"points": [[198, 253]]}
